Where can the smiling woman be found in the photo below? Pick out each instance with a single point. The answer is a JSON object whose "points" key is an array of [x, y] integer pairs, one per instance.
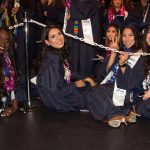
{"points": [[7, 72], [131, 38], [4, 41], [116, 8], [112, 100], [55, 38], [55, 87], [128, 38]]}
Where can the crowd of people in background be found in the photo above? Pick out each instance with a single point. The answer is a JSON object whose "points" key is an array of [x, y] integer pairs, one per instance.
{"points": [[72, 75]]}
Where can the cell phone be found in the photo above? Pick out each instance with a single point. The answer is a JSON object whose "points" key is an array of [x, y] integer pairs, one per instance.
{"points": [[120, 18]]}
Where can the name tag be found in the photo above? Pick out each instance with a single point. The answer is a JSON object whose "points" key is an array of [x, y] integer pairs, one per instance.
{"points": [[118, 96]]}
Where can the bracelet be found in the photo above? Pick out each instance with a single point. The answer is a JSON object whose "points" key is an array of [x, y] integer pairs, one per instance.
{"points": [[124, 65]]}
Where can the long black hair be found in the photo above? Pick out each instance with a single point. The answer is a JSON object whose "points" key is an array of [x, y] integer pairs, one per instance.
{"points": [[137, 36], [62, 52]]}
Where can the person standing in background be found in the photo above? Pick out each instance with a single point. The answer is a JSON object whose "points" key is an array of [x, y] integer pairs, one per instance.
{"points": [[142, 13], [83, 23]]}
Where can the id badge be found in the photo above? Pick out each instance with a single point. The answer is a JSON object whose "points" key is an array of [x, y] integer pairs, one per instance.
{"points": [[118, 96]]}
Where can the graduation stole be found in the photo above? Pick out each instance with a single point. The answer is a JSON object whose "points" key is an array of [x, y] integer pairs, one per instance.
{"points": [[131, 62], [67, 14], [146, 82], [8, 71], [114, 73], [10, 18], [111, 15], [76, 27], [118, 93], [68, 3], [68, 73]]}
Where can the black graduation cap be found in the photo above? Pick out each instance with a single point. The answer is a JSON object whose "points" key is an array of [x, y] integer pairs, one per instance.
{"points": [[138, 24], [119, 20]]}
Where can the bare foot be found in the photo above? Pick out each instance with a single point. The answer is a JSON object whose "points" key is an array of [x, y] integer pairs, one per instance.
{"points": [[11, 109]]}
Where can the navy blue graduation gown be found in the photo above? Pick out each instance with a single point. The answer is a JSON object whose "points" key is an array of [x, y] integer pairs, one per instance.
{"points": [[55, 14], [99, 98], [55, 92], [82, 54], [137, 15], [143, 106]]}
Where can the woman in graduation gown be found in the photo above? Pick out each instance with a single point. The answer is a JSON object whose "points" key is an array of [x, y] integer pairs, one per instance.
{"points": [[143, 107], [115, 13], [112, 32], [112, 100], [8, 74], [54, 77]]}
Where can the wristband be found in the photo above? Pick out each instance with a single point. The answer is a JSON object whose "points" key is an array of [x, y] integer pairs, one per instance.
{"points": [[124, 65]]}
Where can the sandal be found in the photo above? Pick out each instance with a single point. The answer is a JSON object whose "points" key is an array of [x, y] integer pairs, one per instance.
{"points": [[116, 121], [10, 110], [132, 117]]}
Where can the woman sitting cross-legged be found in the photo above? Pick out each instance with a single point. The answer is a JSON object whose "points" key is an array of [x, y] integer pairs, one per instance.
{"points": [[112, 100], [54, 84]]}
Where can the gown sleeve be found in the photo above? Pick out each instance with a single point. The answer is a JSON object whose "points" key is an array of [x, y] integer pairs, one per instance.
{"points": [[55, 92], [131, 78], [48, 76]]}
